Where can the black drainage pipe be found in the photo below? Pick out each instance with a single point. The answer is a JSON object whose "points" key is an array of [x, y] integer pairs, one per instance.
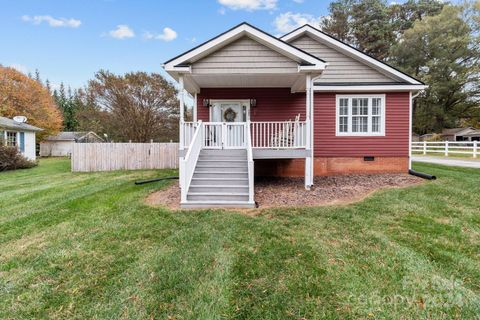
{"points": [[154, 180], [422, 175]]}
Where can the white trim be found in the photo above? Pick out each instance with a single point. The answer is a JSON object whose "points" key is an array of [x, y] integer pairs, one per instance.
{"points": [[410, 107], [368, 88], [369, 116], [350, 51], [195, 108], [239, 101], [236, 33]]}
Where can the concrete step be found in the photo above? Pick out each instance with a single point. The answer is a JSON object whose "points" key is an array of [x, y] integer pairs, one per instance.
{"points": [[216, 196], [217, 204], [231, 152], [219, 188], [220, 181], [217, 174], [222, 163], [220, 169], [222, 157]]}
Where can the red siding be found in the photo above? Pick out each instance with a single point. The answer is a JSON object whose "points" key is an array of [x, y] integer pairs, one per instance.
{"points": [[278, 104], [273, 104], [393, 144]]}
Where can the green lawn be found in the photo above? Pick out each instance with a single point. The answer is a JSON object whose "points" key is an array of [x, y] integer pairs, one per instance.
{"points": [[83, 246]]}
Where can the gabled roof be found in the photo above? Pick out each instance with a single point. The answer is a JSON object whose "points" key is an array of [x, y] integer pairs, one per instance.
{"points": [[72, 136], [306, 60], [6, 123], [351, 51], [454, 131]]}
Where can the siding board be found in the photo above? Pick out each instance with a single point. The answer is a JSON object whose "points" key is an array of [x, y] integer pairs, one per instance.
{"points": [[244, 56], [340, 65]]}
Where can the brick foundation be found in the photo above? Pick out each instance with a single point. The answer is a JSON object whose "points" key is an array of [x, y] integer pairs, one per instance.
{"points": [[324, 166]]}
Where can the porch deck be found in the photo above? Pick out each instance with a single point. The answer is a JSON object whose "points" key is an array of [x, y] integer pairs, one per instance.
{"points": [[269, 139]]}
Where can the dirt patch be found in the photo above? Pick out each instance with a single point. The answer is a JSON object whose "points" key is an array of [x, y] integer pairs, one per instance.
{"points": [[290, 192]]}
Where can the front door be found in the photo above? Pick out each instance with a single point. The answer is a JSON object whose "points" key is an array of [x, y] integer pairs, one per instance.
{"points": [[227, 129]]}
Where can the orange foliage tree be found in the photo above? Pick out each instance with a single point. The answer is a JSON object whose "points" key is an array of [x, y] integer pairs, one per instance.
{"points": [[20, 95]]}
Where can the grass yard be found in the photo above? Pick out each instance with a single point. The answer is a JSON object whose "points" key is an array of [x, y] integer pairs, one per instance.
{"points": [[82, 246]]}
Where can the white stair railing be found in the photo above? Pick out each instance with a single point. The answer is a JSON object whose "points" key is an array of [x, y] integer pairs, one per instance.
{"points": [[187, 165], [248, 140]]}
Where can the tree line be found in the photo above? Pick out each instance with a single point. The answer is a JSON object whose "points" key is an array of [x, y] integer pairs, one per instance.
{"points": [[136, 106], [432, 40]]}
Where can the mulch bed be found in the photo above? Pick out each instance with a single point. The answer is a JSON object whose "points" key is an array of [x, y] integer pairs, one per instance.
{"points": [[290, 192]]}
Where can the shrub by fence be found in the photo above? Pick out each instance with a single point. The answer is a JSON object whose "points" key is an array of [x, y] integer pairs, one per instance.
{"points": [[90, 157]]}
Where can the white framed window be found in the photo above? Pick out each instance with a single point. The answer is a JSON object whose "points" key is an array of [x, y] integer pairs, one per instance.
{"points": [[11, 139], [360, 115]]}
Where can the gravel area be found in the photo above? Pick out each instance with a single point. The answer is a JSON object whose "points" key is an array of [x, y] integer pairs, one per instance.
{"points": [[290, 192]]}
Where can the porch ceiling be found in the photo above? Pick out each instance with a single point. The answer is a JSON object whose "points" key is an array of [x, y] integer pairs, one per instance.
{"points": [[295, 81]]}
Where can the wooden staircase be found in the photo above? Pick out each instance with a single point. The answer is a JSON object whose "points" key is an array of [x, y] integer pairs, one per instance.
{"points": [[220, 179]]}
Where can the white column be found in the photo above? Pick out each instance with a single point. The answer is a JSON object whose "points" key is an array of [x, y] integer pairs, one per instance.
{"points": [[195, 106], [410, 124], [309, 141], [182, 110]]}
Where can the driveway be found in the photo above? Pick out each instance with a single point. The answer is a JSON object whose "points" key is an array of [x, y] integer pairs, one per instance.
{"points": [[468, 163]]}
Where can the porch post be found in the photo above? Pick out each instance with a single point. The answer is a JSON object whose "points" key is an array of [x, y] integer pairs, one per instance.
{"points": [[309, 142], [195, 108], [182, 110]]}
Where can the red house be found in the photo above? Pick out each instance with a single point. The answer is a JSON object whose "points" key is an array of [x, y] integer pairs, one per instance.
{"points": [[305, 104]]}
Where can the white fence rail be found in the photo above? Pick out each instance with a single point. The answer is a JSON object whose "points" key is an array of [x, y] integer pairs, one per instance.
{"points": [[446, 148], [188, 129], [279, 135], [91, 157]]}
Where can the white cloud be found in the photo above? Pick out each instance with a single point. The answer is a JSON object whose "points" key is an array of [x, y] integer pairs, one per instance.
{"points": [[19, 67], [288, 21], [122, 32], [298, 1], [53, 22], [168, 34], [249, 5]]}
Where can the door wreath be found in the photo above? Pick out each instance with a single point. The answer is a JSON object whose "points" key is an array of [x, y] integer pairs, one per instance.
{"points": [[229, 115]]}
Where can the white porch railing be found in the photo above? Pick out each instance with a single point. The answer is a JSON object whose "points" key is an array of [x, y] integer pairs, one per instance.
{"points": [[188, 130], [446, 148], [279, 134], [226, 135], [250, 164], [264, 134], [187, 165]]}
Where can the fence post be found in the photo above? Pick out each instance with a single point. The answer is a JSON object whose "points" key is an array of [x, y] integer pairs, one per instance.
{"points": [[424, 147], [446, 148], [475, 148]]}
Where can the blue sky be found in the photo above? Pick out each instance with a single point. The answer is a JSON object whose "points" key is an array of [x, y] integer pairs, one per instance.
{"points": [[68, 40]]}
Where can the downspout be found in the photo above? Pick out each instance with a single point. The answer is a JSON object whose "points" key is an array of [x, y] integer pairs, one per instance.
{"points": [[410, 129]]}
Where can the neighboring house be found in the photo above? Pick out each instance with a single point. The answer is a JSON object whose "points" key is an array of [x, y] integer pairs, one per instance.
{"points": [[61, 145], [473, 135], [456, 134], [19, 134], [305, 104]]}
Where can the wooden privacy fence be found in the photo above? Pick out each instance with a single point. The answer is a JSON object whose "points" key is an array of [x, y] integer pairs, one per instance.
{"points": [[446, 148], [90, 157]]}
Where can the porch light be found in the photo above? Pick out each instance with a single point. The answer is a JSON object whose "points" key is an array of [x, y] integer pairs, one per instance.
{"points": [[206, 102], [253, 102]]}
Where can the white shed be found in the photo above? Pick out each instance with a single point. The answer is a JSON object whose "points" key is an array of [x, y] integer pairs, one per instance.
{"points": [[61, 145], [19, 134]]}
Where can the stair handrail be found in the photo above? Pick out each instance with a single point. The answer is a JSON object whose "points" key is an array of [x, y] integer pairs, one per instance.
{"points": [[250, 164], [189, 162]]}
